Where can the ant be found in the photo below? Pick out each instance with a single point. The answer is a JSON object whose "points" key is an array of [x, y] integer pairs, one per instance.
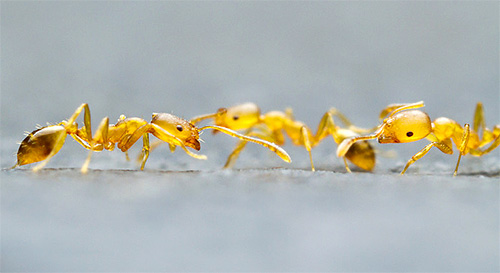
{"points": [[43, 143], [403, 124], [272, 126]]}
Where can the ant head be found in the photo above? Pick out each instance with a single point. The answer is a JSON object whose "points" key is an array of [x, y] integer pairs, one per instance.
{"points": [[38, 145], [238, 117], [179, 128], [406, 126]]}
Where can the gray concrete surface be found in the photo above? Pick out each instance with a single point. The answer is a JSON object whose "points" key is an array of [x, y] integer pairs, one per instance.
{"points": [[181, 214], [249, 220]]}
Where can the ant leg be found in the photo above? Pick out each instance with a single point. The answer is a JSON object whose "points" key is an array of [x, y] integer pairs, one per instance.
{"points": [[85, 165], [326, 127], [289, 113], [463, 146], [86, 118], [307, 144], [43, 163], [155, 145], [82, 140], [485, 134], [360, 155], [231, 159], [495, 137], [171, 147], [334, 112], [493, 146], [59, 142], [489, 135], [346, 166], [86, 138], [128, 140], [141, 131], [78, 111], [442, 146], [479, 120], [152, 147], [101, 137], [145, 149]]}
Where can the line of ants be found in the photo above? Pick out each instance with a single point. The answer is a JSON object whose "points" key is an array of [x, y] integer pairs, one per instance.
{"points": [[400, 123]]}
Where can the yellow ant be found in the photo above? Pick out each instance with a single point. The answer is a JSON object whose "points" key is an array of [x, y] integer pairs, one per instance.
{"points": [[272, 126], [403, 124], [43, 143]]}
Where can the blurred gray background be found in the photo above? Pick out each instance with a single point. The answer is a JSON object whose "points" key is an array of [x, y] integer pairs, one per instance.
{"points": [[189, 58]]}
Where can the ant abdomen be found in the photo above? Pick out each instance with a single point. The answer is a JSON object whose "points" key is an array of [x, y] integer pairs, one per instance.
{"points": [[362, 155], [39, 144]]}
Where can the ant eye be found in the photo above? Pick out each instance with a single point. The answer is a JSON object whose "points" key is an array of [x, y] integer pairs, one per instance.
{"points": [[179, 128], [409, 134], [236, 117]]}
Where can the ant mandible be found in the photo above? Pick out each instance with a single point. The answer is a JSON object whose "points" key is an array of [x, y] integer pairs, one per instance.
{"points": [[273, 125], [43, 143], [403, 124]]}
